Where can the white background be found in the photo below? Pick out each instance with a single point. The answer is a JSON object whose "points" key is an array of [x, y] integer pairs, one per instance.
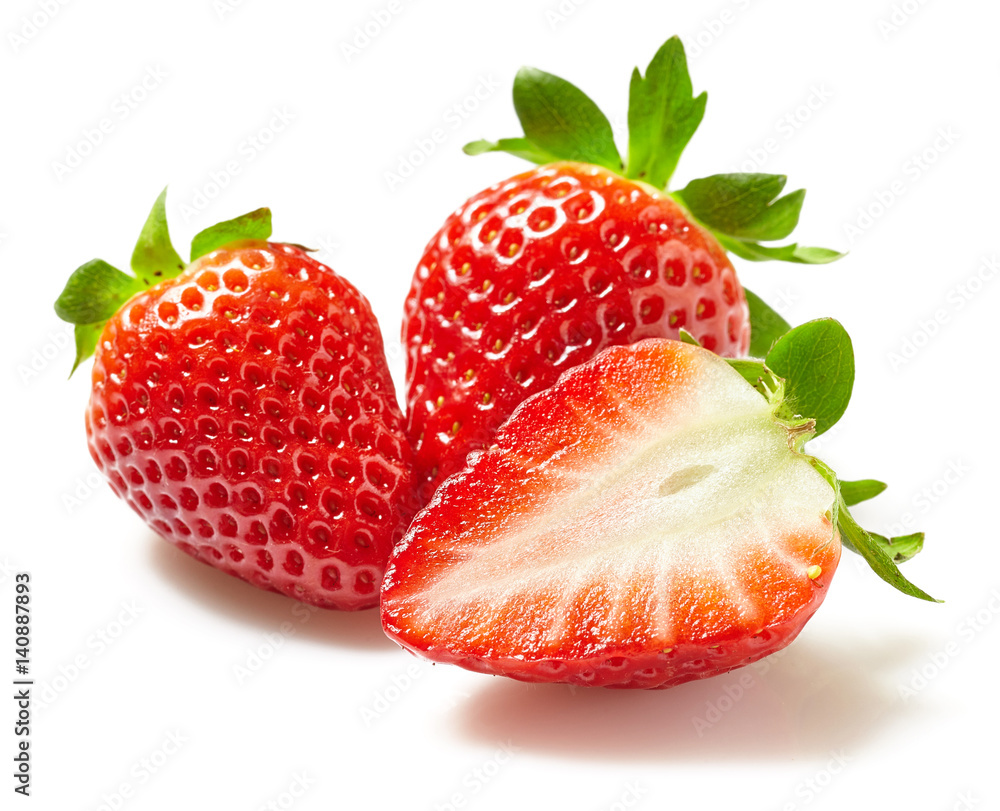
{"points": [[883, 702]]}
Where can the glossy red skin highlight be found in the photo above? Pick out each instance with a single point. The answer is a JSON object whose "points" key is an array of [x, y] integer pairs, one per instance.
{"points": [[248, 416], [620, 262], [505, 486]]}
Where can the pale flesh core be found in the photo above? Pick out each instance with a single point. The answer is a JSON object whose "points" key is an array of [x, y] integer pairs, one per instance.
{"points": [[656, 504]]}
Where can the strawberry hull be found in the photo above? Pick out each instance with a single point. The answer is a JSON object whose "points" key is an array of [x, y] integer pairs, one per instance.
{"points": [[644, 522]]}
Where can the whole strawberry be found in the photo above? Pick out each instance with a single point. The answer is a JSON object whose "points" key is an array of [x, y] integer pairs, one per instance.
{"points": [[542, 271], [242, 406], [650, 519]]}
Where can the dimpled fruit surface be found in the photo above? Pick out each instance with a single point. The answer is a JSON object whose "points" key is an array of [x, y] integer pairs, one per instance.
{"points": [[537, 274], [244, 409]]}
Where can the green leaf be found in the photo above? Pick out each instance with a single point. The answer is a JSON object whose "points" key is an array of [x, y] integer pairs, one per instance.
{"points": [[94, 293], [154, 258], [742, 208], [560, 119], [687, 338], [85, 336], [745, 206], [755, 252], [861, 490], [663, 114], [519, 147], [766, 325], [816, 360], [751, 370], [871, 547], [901, 548], [254, 225]]}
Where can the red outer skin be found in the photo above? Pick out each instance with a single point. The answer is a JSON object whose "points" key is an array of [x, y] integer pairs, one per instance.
{"points": [[245, 411], [502, 490], [490, 321]]}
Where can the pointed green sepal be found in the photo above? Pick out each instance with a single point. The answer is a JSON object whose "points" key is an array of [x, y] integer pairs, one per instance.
{"points": [[877, 550], [766, 325], [687, 338], [663, 114], [94, 293], [744, 209], [85, 336], [519, 147], [154, 258], [902, 547], [560, 122], [793, 253], [861, 490], [253, 225]]}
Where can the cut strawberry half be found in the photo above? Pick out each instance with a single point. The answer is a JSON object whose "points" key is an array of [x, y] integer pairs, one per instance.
{"points": [[648, 520]]}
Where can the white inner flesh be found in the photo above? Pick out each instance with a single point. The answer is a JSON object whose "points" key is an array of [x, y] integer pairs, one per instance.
{"points": [[690, 497]]}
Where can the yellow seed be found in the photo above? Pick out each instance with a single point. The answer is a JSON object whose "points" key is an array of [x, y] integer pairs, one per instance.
{"points": [[480, 216], [486, 398], [464, 269], [508, 298], [519, 210], [491, 236], [440, 402], [513, 249], [487, 284], [814, 571], [561, 193], [498, 345], [455, 427], [544, 224], [469, 374]]}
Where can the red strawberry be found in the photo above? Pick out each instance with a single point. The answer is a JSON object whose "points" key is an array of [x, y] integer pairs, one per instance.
{"points": [[538, 274], [648, 520], [542, 271], [244, 409]]}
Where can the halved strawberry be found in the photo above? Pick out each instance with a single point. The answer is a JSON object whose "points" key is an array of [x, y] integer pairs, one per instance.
{"points": [[650, 519]]}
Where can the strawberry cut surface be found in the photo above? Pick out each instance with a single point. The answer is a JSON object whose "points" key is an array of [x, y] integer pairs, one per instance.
{"points": [[538, 274], [245, 411], [642, 523]]}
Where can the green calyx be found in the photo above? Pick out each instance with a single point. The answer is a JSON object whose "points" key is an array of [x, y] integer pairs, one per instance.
{"points": [[96, 290], [807, 374], [561, 122]]}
